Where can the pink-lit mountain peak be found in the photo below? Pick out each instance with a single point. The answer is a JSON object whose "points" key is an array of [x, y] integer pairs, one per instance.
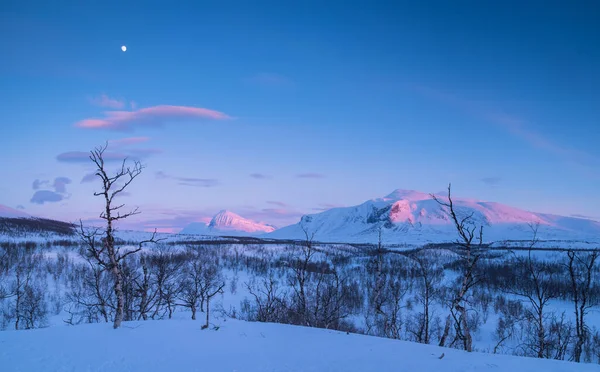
{"points": [[228, 223]]}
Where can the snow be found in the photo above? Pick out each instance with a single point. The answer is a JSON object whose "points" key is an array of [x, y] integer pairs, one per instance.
{"points": [[180, 345], [414, 217], [228, 223], [7, 212]]}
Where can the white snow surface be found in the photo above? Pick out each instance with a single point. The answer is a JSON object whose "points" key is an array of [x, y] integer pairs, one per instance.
{"points": [[180, 345], [229, 224], [414, 217], [7, 212]]}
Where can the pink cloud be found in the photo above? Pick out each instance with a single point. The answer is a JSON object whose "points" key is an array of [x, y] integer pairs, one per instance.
{"points": [[260, 176], [157, 115], [84, 157], [106, 101]]}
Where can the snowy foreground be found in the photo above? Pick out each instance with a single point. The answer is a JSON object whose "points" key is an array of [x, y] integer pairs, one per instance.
{"points": [[180, 345]]}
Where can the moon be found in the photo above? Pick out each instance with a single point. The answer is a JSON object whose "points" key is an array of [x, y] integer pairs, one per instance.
{"points": [[124, 48]]}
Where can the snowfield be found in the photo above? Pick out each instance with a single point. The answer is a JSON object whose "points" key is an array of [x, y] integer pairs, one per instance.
{"points": [[180, 345]]}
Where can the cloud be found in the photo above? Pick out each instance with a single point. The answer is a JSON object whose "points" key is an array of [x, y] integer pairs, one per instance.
{"points": [[277, 203], [274, 216], [310, 175], [188, 181], [84, 157], [38, 184], [260, 176], [156, 115], [326, 206], [58, 193], [491, 181], [46, 196], [105, 101], [60, 184], [90, 177], [20, 207], [516, 126], [128, 141], [270, 79]]}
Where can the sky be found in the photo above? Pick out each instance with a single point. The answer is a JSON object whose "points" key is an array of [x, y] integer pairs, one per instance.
{"points": [[277, 109]]}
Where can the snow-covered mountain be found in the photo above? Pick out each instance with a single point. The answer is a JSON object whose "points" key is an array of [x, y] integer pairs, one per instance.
{"points": [[7, 212], [227, 223], [408, 216]]}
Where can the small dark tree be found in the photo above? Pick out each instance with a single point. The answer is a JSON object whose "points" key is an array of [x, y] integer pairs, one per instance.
{"points": [[536, 287], [581, 267]]}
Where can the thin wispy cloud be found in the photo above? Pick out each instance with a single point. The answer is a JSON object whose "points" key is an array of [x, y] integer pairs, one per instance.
{"points": [[310, 175], [153, 116], [277, 203], [89, 177], [515, 125], [128, 141], [260, 176], [105, 101], [84, 157], [188, 181], [491, 181], [326, 206]]}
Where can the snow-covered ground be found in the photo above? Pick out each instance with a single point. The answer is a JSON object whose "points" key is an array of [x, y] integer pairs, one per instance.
{"points": [[180, 345]]}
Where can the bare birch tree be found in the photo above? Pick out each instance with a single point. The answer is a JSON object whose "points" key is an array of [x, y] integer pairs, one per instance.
{"points": [[470, 253], [100, 243]]}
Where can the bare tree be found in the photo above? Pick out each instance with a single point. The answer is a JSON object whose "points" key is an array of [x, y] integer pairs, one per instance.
{"points": [[536, 287], [105, 251], [300, 269], [581, 269], [430, 277], [470, 254], [212, 284], [192, 293]]}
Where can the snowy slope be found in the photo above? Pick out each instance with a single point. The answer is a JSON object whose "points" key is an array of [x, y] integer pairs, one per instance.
{"points": [[7, 212], [414, 217], [228, 223], [177, 345]]}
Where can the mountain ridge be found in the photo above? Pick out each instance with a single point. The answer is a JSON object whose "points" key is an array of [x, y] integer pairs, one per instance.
{"points": [[415, 217]]}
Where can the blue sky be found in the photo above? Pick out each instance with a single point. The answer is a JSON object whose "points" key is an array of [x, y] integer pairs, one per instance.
{"points": [[305, 106]]}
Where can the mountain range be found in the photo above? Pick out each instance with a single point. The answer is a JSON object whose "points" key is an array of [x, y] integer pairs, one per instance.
{"points": [[404, 216], [407, 216]]}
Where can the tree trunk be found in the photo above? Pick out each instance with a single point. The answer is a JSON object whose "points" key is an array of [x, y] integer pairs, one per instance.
{"points": [[193, 312], [207, 311], [446, 331], [120, 297]]}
